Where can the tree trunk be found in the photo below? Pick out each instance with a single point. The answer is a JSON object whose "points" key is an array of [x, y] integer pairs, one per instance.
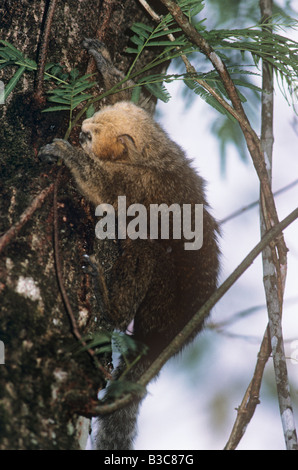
{"points": [[45, 389]]}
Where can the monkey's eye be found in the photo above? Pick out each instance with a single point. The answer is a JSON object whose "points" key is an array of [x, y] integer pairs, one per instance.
{"points": [[85, 137]]}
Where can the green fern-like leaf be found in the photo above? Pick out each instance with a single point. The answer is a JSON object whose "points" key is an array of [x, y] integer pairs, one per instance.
{"points": [[10, 55], [154, 84], [119, 388], [100, 342], [127, 345], [71, 94]]}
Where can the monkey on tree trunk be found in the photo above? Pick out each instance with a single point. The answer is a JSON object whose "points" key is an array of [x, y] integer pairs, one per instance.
{"points": [[158, 283]]}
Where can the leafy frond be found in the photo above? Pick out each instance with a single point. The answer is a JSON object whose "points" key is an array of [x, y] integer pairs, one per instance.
{"points": [[70, 94], [228, 132], [278, 50], [281, 52], [99, 341], [10, 55]]}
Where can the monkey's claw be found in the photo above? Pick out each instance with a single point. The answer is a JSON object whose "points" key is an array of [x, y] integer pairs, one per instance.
{"points": [[50, 153], [94, 44]]}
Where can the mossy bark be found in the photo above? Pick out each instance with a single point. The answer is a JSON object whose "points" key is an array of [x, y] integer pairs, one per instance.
{"points": [[45, 388]]}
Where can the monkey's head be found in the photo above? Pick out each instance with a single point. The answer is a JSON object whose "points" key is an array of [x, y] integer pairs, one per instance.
{"points": [[126, 133]]}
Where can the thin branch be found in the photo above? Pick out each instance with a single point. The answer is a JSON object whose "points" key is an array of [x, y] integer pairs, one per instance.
{"points": [[274, 294], [149, 10], [251, 397], [38, 94], [58, 263], [199, 317], [26, 215], [256, 203]]}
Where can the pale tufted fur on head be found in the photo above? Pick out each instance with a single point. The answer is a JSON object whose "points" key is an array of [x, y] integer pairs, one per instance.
{"points": [[126, 132]]}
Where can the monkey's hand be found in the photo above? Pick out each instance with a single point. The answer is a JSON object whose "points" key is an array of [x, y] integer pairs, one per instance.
{"points": [[59, 148]]}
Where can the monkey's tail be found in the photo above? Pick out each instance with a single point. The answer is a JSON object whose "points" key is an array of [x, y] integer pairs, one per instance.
{"points": [[117, 430]]}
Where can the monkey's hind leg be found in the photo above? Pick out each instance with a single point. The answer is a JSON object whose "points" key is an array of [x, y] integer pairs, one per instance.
{"points": [[100, 54], [110, 74]]}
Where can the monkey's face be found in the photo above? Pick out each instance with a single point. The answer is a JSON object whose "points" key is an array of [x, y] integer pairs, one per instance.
{"points": [[101, 142], [115, 133]]}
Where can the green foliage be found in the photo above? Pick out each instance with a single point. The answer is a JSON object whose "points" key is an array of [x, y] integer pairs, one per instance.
{"points": [[69, 95], [276, 49], [228, 132], [71, 88], [127, 346], [100, 342], [9, 55], [106, 342]]}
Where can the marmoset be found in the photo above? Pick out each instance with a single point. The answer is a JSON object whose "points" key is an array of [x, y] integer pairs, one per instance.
{"points": [[156, 282]]}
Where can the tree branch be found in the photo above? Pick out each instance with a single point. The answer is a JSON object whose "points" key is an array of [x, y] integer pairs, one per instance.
{"points": [[251, 397], [38, 94], [274, 273], [26, 215], [278, 260]]}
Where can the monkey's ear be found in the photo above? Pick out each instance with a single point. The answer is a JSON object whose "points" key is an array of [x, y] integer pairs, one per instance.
{"points": [[126, 139], [128, 144]]}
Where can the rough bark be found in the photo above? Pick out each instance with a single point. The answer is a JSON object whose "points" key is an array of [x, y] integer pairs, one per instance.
{"points": [[44, 387]]}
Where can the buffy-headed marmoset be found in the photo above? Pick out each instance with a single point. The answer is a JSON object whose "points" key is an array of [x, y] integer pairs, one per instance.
{"points": [[156, 282]]}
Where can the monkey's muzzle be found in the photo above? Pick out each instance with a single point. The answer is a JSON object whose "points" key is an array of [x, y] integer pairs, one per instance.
{"points": [[85, 137]]}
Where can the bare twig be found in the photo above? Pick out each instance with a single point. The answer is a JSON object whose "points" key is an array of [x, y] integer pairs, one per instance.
{"points": [[26, 215], [199, 317], [251, 397], [149, 10], [256, 203], [38, 94], [58, 264]]}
